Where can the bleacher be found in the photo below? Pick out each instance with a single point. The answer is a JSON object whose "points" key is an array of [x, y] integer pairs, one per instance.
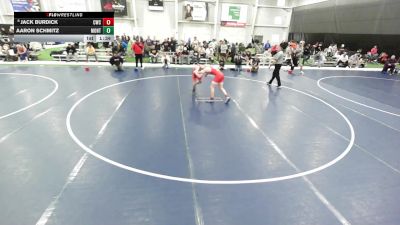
{"points": [[183, 59], [103, 55]]}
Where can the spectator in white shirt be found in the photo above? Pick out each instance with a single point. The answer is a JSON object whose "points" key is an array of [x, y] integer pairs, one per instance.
{"points": [[343, 60]]}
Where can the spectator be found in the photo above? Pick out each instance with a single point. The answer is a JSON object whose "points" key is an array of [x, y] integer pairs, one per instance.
{"points": [[90, 51], [22, 53], [116, 45], [374, 52], [267, 46], [390, 64], [138, 49], [342, 49], [255, 65], [343, 60], [202, 51], [165, 45], [233, 52], [173, 44], [210, 53], [247, 57], [319, 56], [354, 60], [306, 53], [166, 60], [185, 55], [148, 45], [157, 45], [71, 50], [383, 57], [195, 42], [330, 52], [153, 55], [117, 61], [238, 59]]}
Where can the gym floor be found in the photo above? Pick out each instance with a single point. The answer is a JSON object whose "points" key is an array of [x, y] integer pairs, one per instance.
{"points": [[101, 147]]}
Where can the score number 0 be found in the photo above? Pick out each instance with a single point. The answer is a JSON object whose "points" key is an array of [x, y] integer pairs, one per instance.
{"points": [[108, 21]]}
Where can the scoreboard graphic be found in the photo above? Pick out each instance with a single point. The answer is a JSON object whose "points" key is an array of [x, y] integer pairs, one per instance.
{"points": [[64, 26]]}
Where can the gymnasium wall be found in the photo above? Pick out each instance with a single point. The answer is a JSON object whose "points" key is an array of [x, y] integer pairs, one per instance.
{"points": [[358, 24], [270, 22]]}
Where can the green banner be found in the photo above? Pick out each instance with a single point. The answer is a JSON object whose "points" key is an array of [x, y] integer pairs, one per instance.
{"points": [[234, 12]]}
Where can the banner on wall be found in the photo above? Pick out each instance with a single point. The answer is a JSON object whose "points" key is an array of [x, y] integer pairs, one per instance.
{"points": [[70, 5], [25, 5], [195, 11], [156, 5], [117, 6], [233, 15]]}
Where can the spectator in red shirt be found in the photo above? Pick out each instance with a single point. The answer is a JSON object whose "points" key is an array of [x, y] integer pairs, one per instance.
{"points": [[374, 52], [138, 48]]}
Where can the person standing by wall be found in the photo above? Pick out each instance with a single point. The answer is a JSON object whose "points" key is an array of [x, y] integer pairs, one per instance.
{"points": [[138, 49]]}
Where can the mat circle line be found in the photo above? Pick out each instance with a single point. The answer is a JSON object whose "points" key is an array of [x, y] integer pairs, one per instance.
{"points": [[37, 102], [353, 101], [201, 181]]}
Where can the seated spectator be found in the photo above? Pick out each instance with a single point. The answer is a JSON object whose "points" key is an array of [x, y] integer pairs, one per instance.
{"points": [[153, 55], [178, 53], [22, 53], [117, 61], [354, 60], [194, 57], [210, 53], [374, 52], [202, 51], [185, 55], [330, 52], [90, 51], [343, 60], [390, 64], [71, 50], [320, 58], [6, 51], [383, 57], [255, 65]]}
